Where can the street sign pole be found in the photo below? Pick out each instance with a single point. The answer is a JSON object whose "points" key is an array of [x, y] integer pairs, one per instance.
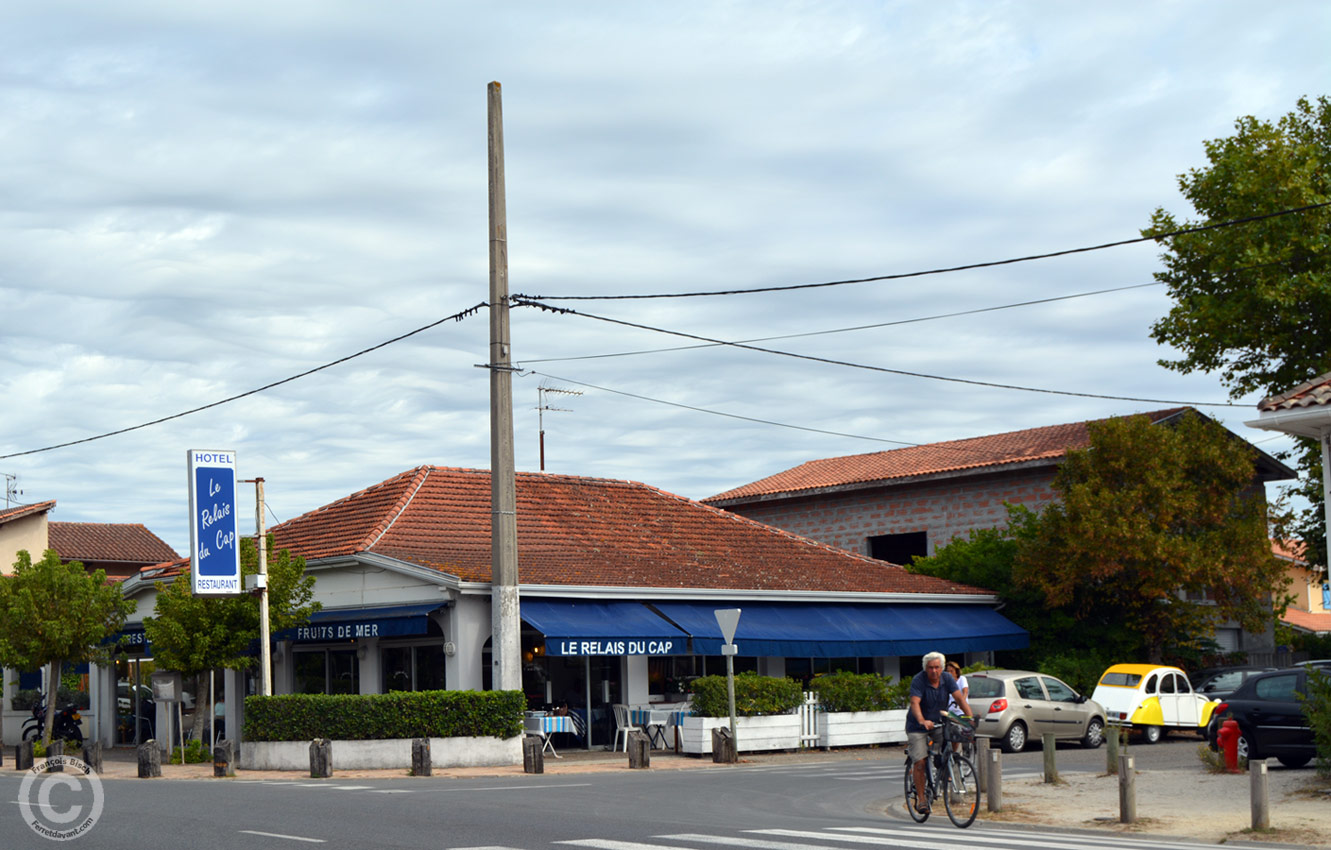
{"points": [[728, 620]]}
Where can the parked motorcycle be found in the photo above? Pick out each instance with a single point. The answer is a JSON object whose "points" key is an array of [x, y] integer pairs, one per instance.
{"points": [[66, 723]]}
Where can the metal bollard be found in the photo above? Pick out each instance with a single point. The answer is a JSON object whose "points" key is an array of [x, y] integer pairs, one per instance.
{"points": [[321, 758], [1261, 800], [1050, 747], [995, 777], [1127, 790]]}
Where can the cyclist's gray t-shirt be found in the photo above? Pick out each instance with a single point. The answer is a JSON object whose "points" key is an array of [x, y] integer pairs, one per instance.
{"points": [[933, 701]]}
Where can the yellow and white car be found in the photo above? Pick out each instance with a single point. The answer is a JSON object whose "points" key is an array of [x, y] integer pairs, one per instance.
{"points": [[1153, 699]]}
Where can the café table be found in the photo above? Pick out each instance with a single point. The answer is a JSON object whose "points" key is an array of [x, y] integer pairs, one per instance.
{"points": [[654, 719], [545, 725]]}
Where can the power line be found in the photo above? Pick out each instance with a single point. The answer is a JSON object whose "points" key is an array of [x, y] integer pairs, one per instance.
{"points": [[855, 328], [522, 302], [720, 412], [903, 275], [457, 317]]}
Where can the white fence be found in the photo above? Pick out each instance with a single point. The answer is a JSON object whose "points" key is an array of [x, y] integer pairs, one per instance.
{"points": [[809, 710]]}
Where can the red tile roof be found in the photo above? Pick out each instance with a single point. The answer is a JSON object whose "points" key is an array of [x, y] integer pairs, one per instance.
{"points": [[105, 541], [1314, 393], [1033, 444], [1308, 621], [585, 531], [10, 514]]}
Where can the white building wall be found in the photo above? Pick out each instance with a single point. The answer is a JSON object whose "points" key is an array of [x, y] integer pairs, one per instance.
{"points": [[468, 628]]}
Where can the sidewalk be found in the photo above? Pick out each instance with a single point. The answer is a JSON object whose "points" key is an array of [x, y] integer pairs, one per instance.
{"points": [[1183, 802]]}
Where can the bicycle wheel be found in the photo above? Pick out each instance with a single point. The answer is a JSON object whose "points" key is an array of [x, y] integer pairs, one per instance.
{"points": [[911, 799], [962, 794]]}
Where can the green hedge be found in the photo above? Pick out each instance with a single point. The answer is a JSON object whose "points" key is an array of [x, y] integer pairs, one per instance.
{"points": [[401, 714], [754, 695], [859, 692]]}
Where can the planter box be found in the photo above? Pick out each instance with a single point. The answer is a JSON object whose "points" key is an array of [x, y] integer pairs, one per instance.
{"points": [[860, 728], [386, 754], [773, 732]]}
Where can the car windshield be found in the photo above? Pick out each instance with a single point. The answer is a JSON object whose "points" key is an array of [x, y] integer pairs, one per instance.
{"points": [[1122, 680], [982, 687]]}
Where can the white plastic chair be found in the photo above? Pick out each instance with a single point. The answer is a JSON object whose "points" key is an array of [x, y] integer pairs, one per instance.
{"points": [[622, 725]]}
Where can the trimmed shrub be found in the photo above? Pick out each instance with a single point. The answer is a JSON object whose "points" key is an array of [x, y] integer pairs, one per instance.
{"points": [[859, 692], [1317, 707], [400, 714], [754, 696]]}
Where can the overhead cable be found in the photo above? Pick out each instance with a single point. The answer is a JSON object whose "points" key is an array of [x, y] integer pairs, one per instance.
{"points": [[523, 302], [456, 317], [903, 275]]}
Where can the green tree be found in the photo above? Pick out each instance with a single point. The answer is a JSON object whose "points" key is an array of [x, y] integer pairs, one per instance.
{"points": [[1159, 530], [194, 634], [53, 613], [1252, 300]]}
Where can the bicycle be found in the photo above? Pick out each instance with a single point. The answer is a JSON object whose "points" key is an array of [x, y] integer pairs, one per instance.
{"points": [[949, 775]]}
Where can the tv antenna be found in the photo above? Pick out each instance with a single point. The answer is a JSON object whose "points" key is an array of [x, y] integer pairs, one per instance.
{"points": [[542, 407], [11, 490]]}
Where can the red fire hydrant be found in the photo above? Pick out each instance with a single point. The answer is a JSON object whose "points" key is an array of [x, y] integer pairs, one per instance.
{"points": [[1228, 740]]}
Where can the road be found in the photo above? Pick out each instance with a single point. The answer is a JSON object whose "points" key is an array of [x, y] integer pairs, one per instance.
{"points": [[810, 803]]}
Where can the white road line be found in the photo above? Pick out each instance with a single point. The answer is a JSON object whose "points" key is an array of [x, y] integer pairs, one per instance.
{"points": [[350, 787], [606, 844], [1040, 838], [893, 838], [762, 844], [393, 791], [523, 787], [280, 835]]}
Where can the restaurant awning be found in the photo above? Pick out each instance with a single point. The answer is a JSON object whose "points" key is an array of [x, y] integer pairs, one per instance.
{"points": [[811, 630], [352, 623], [584, 627]]}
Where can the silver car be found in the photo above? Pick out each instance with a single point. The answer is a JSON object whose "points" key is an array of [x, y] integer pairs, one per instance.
{"points": [[1015, 706]]}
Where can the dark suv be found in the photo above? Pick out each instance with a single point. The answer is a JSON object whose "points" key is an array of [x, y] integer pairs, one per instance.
{"points": [[1220, 682], [1270, 716]]}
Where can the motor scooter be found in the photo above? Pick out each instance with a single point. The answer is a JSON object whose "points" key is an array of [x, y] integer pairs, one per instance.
{"points": [[66, 723]]}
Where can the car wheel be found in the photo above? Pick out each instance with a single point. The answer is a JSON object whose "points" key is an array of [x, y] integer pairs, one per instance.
{"points": [[1294, 761], [1245, 750], [1095, 734], [1015, 739], [1152, 734]]}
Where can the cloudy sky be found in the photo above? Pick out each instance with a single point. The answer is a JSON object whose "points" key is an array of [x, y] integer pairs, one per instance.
{"points": [[197, 200]]}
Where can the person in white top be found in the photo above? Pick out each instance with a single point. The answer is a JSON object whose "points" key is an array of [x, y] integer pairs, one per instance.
{"points": [[955, 669]]}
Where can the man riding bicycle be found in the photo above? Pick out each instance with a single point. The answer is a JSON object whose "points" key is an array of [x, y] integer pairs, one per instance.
{"points": [[930, 691]]}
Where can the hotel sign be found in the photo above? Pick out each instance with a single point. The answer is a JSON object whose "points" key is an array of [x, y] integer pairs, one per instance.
{"points": [[214, 557]]}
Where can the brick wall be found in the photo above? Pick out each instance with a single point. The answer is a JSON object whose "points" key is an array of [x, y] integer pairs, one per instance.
{"points": [[943, 509]]}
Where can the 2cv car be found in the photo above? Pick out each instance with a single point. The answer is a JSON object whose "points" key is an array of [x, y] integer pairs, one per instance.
{"points": [[1152, 699]]}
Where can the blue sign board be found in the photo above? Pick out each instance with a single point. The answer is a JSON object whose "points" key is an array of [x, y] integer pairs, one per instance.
{"points": [[214, 557]]}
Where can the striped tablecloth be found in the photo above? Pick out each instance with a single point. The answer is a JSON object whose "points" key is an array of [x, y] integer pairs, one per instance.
{"points": [[655, 720]]}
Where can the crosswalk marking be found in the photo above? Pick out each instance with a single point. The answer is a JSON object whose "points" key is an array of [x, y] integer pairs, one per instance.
{"points": [[1026, 837], [607, 844]]}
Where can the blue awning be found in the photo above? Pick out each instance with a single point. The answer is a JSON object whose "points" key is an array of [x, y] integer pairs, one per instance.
{"points": [[353, 623], [585, 627], [811, 630]]}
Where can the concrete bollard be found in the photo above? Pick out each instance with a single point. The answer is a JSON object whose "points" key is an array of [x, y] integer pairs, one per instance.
{"points": [[723, 746], [92, 755], [23, 755], [1261, 800], [150, 760], [55, 757], [640, 750], [421, 765], [533, 754], [1050, 747], [321, 758], [994, 788], [224, 758], [1127, 790]]}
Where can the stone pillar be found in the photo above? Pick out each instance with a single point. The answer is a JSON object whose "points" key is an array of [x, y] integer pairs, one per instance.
{"points": [[420, 757], [92, 755], [150, 759], [723, 746], [23, 755], [640, 750], [55, 751], [321, 758], [224, 758], [533, 754]]}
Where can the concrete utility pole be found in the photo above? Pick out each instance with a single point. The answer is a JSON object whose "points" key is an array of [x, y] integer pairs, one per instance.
{"points": [[505, 644], [265, 633]]}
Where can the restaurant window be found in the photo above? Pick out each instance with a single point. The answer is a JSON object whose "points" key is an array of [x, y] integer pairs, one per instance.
{"points": [[326, 671], [413, 668]]}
